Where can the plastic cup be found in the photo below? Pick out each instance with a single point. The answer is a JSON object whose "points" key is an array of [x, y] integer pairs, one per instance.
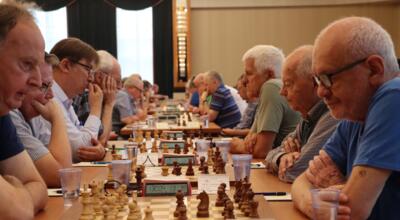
{"points": [[204, 121], [325, 203], [151, 122], [224, 146], [70, 179], [131, 150], [241, 165], [121, 170], [202, 147]]}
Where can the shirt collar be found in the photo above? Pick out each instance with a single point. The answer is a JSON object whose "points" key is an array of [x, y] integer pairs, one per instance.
{"points": [[312, 114]]}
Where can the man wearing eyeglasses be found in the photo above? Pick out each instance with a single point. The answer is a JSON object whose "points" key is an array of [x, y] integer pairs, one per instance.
{"points": [[108, 77], [39, 101], [126, 110], [72, 76], [355, 67]]}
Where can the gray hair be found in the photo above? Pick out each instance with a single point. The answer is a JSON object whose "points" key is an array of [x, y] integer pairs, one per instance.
{"points": [[304, 65], [266, 57], [215, 76], [106, 61], [365, 37]]}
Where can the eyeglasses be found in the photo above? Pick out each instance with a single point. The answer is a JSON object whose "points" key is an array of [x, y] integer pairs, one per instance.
{"points": [[45, 87], [87, 67], [326, 79]]}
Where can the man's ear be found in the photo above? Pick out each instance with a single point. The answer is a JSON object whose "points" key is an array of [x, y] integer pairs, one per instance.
{"points": [[377, 68], [65, 65]]}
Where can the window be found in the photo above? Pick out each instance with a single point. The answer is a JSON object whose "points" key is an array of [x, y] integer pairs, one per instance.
{"points": [[135, 42], [53, 25]]}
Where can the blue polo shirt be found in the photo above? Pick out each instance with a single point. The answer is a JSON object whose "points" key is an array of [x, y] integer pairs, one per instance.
{"points": [[374, 143], [10, 144], [228, 111]]}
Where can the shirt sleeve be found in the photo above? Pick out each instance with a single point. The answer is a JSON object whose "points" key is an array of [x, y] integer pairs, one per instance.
{"points": [[217, 101], [321, 133], [270, 110], [379, 144], [35, 148], [123, 105], [10, 143]]}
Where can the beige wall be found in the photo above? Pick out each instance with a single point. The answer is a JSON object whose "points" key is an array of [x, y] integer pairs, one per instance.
{"points": [[219, 37]]}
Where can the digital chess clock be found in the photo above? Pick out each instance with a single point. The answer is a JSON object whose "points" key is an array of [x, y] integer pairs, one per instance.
{"points": [[166, 188]]}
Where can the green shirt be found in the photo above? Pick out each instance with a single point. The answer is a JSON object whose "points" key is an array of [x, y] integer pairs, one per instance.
{"points": [[273, 112]]}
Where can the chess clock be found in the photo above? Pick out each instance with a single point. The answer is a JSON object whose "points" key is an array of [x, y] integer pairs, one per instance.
{"points": [[157, 188], [171, 144], [182, 159]]}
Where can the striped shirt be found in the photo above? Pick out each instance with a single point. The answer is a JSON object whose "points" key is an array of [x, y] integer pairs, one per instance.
{"points": [[228, 112]]}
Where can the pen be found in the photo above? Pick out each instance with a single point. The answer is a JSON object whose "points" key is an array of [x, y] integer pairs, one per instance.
{"points": [[100, 162], [272, 193]]}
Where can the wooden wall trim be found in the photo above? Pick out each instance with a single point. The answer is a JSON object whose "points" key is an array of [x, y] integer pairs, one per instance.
{"points": [[280, 3]]}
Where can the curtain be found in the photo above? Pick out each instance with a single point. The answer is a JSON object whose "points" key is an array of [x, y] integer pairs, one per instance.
{"points": [[133, 4], [94, 22], [162, 47]]}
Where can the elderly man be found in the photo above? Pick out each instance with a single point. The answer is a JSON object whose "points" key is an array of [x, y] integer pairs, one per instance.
{"points": [[247, 119], [291, 158], [223, 108], [205, 98], [355, 67], [23, 191], [126, 109], [38, 101], [72, 76], [274, 119], [108, 77]]}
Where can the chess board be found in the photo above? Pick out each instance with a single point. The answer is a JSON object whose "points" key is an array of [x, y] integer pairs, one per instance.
{"points": [[164, 207]]}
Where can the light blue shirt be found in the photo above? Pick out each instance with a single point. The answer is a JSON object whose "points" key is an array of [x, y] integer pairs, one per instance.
{"points": [[78, 135]]}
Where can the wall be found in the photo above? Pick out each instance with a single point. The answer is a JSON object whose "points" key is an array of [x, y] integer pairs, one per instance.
{"points": [[220, 36]]}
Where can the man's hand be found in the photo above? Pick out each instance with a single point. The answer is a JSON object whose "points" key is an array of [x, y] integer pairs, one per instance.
{"points": [[95, 99], [249, 142], [237, 146], [109, 87], [287, 161], [343, 211], [92, 153], [322, 171], [49, 111], [291, 144], [227, 131]]}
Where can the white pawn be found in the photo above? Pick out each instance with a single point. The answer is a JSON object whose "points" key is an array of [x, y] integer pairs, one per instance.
{"points": [[134, 212], [148, 213]]}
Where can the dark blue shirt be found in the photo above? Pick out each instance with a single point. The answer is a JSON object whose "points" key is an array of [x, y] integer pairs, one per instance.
{"points": [[228, 111], [194, 101], [10, 143]]}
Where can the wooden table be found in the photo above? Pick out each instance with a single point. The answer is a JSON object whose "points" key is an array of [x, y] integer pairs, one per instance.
{"points": [[211, 129], [260, 179]]}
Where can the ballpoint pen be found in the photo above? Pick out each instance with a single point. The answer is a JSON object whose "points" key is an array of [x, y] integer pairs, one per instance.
{"points": [[272, 193]]}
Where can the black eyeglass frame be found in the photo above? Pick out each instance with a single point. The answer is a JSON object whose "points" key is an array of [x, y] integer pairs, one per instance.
{"points": [[326, 78]]}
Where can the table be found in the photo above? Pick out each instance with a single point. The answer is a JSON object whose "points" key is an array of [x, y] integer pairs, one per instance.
{"points": [[260, 179], [211, 129]]}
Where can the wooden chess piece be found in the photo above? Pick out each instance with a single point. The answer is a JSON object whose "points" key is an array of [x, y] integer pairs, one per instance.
{"points": [[165, 149], [86, 202], [238, 186], [182, 213], [250, 199], [164, 171], [177, 149], [184, 122], [203, 206], [148, 213], [210, 155], [113, 149], [154, 148], [205, 169], [186, 149], [190, 171], [253, 209], [139, 179], [228, 211], [134, 211], [178, 170], [202, 160], [179, 202], [219, 202], [174, 164]]}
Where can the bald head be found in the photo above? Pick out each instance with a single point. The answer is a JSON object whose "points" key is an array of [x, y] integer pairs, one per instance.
{"points": [[299, 62], [199, 82], [354, 38]]}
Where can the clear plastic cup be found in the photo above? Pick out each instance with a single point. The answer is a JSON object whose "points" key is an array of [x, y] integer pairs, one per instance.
{"points": [[224, 146], [121, 170], [325, 203], [70, 179], [151, 122], [241, 165], [202, 147], [131, 149], [204, 121]]}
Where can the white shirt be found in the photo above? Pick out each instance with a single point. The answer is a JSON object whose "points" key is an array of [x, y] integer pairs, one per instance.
{"points": [[78, 135], [239, 101]]}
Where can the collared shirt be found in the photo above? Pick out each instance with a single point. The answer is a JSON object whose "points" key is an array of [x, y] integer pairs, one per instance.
{"points": [[10, 144], [125, 105], [82, 109], [78, 135], [242, 104], [312, 134], [228, 111], [35, 148], [248, 116]]}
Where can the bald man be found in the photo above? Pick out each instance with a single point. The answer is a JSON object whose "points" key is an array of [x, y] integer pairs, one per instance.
{"points": [[355, 68]]}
